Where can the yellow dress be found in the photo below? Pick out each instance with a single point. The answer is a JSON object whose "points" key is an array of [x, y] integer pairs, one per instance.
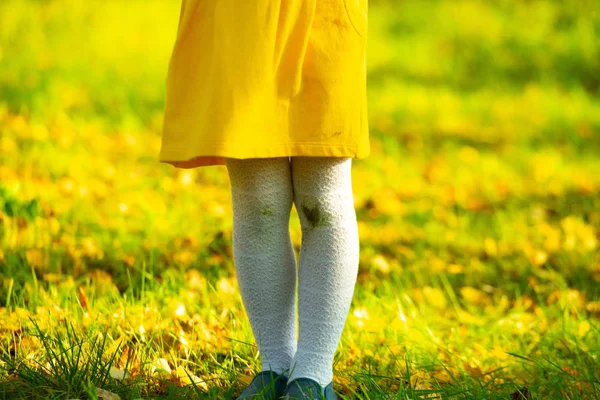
{"points": [[266, 78]]}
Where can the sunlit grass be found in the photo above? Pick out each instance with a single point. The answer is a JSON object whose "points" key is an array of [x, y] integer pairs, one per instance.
{"points": [[479, 210]]}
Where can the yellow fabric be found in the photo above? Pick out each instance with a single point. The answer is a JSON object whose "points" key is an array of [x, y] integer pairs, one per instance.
{"points": [[266, 78]]}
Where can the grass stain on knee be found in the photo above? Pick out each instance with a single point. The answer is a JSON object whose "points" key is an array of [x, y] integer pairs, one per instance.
{"points": [[314, 216], [266, 211]]}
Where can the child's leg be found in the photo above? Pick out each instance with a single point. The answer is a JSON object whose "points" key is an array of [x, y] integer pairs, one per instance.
{"points": [[328, 261], [264, 256]]}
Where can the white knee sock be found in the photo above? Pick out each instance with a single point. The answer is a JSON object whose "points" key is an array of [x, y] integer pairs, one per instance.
{"points": [[264, 256], [328, 263]]}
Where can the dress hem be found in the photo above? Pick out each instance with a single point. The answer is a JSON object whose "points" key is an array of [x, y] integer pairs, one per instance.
{"points": [[218, 153]]}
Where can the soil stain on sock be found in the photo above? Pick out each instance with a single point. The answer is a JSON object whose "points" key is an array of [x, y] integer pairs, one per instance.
{"points": [[314, 216]]}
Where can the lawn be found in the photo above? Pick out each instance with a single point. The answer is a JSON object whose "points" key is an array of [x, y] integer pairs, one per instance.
{"points": [[478, 209]]}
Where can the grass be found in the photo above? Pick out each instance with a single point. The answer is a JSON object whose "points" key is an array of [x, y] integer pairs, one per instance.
{"points": [[479, 210]]}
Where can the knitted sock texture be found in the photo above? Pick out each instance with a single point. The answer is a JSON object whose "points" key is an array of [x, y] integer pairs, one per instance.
{"points": [[328, 261], [264, 258]]}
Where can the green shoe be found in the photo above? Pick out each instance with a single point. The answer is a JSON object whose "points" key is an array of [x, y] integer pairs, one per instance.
{"points": [[308, 389], [266, 385]]}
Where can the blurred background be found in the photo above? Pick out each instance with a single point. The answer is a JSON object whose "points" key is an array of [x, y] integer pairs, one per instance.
{"points": [[478, 208]]}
